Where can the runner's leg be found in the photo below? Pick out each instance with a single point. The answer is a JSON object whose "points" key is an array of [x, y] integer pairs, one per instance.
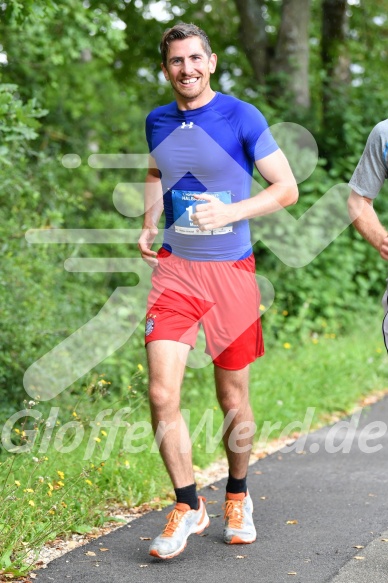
{"points": [[166, 363], [233, 394]]}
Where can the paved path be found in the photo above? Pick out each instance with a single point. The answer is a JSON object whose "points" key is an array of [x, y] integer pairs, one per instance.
{"points": [[339, 500]]}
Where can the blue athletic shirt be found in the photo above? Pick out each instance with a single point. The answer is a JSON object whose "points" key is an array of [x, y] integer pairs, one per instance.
{"points": [[210, 149]]}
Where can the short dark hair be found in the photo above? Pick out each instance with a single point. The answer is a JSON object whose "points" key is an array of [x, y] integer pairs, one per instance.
{"points": [[179, 32]]}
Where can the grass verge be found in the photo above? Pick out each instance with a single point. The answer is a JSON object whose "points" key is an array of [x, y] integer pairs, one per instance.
{"points": [[89, 449]]}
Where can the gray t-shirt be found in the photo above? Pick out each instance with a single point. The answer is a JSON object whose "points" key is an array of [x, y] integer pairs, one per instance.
{"points": [[372, 169]]}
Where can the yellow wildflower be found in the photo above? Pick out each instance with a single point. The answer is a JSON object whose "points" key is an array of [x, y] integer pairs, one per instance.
{"points": [[315, 340], [98, 439], [140, 367], [64, 504], [49, 493], [262, 307], [51, 487], [61, 474], [74, 414], [17, 483], [16, 430], [104, 433], [30, 490], [60, 483], [285, 313], [31, 503], [51, 511], [89, 482], [287, 345]]}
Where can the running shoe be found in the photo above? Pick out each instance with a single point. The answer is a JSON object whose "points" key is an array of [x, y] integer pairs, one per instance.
{"points": [[181, 522], [239, 527]]}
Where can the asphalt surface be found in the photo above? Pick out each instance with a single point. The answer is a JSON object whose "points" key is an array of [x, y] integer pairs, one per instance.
{"points": [[312, 509]]}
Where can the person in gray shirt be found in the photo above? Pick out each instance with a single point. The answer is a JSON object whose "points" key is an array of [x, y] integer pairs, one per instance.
{"points": [[366, 183]]}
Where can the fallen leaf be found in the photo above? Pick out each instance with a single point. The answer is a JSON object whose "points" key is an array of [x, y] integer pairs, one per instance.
{"points": [[214, 515], [197, 469], [144, 537], [263, 497], [103, 549], [90, 554], [384, 540], [32, 575], [213, 487], [292, 573], [358, 547], [292, 522], [241, 556], [258, 473], [359, 558], [143, 566], [372, 495], [211, 501]]}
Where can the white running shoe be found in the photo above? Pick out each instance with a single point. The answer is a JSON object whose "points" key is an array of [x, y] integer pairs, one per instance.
{"points": [[181, 522], [239, 527]]}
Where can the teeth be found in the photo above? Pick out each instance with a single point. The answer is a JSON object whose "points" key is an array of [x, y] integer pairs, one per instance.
{"points": [[189, 81]]}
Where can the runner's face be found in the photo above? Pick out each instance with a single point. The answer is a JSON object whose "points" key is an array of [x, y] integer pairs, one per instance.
{"points": [[188, 70]]}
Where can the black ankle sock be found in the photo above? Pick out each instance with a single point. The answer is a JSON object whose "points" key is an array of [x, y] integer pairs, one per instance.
{"points": [[235, 486], [187, 495]]}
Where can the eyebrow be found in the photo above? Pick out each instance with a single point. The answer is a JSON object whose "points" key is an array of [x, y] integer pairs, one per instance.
{"points": [[190, 57]]}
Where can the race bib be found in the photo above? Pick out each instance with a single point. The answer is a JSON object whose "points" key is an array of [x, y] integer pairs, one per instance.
{"points": [[184, 206]]}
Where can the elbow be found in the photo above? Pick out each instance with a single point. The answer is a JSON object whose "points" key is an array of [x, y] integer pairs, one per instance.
{"points": [[355, 205], [293, 195]]}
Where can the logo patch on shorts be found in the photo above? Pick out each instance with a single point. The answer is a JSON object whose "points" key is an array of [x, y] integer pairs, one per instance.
{"points": [[150, 325]]}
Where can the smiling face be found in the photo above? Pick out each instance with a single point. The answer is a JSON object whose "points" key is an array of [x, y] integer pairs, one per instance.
{"points": [[188, 69]]}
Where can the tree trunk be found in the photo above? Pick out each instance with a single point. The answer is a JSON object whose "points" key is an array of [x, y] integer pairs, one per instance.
{"points": [[334, 24], [253, 36], [292, 51], [336, 68]]}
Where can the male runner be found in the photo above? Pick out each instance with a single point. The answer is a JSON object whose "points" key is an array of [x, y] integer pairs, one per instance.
{"points": [[203, 147], [366, 182]]}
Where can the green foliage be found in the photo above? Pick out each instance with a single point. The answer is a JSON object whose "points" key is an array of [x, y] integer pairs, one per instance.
{"points": [[46, 492]]}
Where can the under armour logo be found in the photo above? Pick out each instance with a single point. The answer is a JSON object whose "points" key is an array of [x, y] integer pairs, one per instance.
{"points": [[187, 125]]}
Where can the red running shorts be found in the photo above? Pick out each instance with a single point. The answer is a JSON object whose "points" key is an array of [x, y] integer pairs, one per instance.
{"points": [[222, 296]]}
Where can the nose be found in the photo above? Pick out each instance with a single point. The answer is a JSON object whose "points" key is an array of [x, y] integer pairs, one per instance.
{"points": [[187, 67]]}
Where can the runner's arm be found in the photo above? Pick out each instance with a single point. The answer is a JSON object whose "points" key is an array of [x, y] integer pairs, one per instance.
{"points": [[366, 222], [282, 192], [153, 208]]}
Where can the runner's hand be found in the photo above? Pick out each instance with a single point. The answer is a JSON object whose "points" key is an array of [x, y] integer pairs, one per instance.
{"points": [[212, 215], [384, 248], [145, 243]]}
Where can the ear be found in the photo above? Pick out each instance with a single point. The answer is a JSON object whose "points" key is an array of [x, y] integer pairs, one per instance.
{"points": [[165, 72], [212, 62]]}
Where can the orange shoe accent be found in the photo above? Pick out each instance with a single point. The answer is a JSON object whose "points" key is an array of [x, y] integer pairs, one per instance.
{"points": [[174, 517], [236, 540], [234, 509]]}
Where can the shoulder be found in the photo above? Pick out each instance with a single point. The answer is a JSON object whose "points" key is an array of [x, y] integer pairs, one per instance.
{"points": [[379, 132], [235, 106], [244, 117], [160, 112]]}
